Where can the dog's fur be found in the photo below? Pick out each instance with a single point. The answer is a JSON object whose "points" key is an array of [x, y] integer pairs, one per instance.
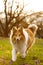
{"points": [[22, 39]]}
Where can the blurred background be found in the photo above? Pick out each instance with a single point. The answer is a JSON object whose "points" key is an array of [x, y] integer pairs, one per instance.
{"points": [[15, 12]]}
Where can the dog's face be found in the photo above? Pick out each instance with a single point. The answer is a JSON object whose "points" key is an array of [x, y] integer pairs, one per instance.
{"points": [[17, 35]]}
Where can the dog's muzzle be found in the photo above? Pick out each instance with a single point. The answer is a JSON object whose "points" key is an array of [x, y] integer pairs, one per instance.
{"points": [[17, 38]]}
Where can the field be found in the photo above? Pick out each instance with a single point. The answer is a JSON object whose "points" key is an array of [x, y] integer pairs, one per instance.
{"points": [[34, 56]]}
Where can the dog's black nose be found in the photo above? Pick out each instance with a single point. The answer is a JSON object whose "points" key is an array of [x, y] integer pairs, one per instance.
{"points": [[17, 38]]}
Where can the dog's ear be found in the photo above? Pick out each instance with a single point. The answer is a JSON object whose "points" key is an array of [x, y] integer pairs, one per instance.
{"points": [[20, 28], [14, 29], [33, 28]]}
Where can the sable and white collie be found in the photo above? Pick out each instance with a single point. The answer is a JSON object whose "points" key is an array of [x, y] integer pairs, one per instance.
{"points": [[22, 39]]}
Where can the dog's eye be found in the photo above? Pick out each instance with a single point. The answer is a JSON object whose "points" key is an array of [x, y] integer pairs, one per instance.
{"points": [[19, 34]]}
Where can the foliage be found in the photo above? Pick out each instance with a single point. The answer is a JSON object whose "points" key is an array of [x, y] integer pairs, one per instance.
{"points": [[37, 18]]}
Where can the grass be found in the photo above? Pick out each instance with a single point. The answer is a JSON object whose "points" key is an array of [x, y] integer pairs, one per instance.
{"points": [[34, 53]]}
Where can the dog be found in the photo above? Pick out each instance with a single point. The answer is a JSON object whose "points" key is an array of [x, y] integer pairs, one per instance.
{"points": [[22, 39]]}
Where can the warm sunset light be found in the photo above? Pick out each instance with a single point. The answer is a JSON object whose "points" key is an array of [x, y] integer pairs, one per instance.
{"points": [[35, 5], [21, 32]]}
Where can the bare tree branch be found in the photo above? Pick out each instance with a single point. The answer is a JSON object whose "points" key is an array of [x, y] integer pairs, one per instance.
{"points": [[21, 9], [2, 26], [6, 19], [10, 14], [0, 31], [20, 12]]}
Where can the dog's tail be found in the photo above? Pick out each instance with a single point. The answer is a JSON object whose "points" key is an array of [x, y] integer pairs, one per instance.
{"points": [[33, 28]]}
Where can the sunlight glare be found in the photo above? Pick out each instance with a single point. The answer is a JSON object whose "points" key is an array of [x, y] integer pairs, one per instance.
{"points": [[1, 6], [35, 5]]}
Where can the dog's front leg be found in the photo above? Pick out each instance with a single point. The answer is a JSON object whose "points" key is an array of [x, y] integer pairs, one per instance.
{"points": [[13, 54], [23, 55]]}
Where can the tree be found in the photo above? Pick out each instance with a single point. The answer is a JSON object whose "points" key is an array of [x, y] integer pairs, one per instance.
{"points": [[12, 18], [37, 18], [40, 29], [16, 17]]}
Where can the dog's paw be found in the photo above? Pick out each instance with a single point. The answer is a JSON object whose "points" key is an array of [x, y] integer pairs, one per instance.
{"points": [[23, 55]]}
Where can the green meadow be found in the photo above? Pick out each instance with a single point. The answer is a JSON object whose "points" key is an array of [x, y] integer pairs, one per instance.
{"points": [[35, 53]]}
